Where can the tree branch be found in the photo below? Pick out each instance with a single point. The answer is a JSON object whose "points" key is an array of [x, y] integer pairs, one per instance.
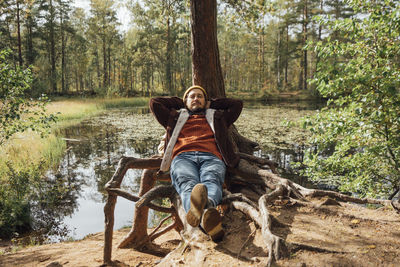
{"points": [[127, 195]]}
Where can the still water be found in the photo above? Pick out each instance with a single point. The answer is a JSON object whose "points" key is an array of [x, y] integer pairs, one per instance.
{"points": [[93, 149]]}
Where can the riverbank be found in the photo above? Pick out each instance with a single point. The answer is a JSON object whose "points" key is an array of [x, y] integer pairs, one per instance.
{"points": [[26, 157]]}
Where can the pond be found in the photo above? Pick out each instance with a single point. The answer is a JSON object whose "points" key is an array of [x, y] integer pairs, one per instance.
{"points": [[95, 145]]}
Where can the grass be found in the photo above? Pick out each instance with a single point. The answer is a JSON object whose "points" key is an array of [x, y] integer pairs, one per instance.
{"points": [[28, 148], [74, 110], [124, 102]]}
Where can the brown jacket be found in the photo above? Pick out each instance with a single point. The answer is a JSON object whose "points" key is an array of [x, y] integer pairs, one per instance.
{"points": [[165, 109]]}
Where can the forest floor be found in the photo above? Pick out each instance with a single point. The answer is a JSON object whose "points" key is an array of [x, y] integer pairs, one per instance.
{"points": [[351, 235]]}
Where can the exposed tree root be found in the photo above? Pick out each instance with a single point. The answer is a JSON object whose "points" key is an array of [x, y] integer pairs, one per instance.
{"points": [[249, 182], [154, 234], [276, 246], [129, 196], [229, 197], [245, 243], [161, 191], [139, 228], [260, 161]]}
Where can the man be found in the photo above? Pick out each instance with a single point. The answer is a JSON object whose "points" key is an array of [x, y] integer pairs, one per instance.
{"points": [[197, 151]]}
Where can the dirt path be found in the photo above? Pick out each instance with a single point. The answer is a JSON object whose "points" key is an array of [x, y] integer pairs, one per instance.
{"points": [[355, 236]]}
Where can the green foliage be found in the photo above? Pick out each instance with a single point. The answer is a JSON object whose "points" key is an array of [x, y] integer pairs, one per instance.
{"points": [[357, 136], [17, 114], [28, 201], [23, 187], [14, 202]]}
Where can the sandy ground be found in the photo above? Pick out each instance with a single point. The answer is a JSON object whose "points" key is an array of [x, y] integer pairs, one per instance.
{"points": [[350, 235]]}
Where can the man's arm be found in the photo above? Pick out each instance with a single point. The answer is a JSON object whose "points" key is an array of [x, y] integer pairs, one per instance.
{"points": [[232, 108], [162, 107]]}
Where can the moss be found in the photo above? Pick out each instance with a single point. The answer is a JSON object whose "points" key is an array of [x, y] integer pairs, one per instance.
{"points": [[273, 127]]}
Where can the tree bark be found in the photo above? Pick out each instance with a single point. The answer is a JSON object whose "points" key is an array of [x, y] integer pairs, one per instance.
{"points": [[19, 35], [53, 71], [305, 24], [63, 63], [278, 59], [168, 61], [206, 66], [287, 55], [29, 40], [104, 47]]}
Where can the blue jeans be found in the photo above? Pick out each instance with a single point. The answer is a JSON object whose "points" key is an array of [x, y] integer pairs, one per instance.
{"points": [[191, 168]]}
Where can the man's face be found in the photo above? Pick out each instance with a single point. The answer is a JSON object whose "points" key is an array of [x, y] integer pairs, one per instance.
{"points": [[195, 100]]}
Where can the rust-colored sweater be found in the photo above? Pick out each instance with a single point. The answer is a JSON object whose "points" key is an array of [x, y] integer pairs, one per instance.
{"points": [[196, 135]]}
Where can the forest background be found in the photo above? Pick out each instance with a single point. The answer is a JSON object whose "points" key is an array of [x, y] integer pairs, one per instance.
{"points": [[75, 51]]}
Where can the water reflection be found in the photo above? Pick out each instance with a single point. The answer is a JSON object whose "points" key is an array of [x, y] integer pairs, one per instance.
{"points": [[93, 151], [285, 159], [55, 198]]}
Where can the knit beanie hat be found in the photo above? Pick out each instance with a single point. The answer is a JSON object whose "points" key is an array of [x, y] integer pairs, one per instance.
{"points": [[195, 87]]}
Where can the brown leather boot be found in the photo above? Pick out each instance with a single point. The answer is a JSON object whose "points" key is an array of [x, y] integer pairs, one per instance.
{"points": [[198, 200], [211, 222]]}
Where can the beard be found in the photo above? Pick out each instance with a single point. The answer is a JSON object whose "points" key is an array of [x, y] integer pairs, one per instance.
{"points": [[197, 110]]}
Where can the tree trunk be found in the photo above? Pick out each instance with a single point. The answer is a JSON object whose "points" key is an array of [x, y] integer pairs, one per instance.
{"points": [[109, 64], [77, 80], [261, 58], [105, 77], [96, 55], [206, 67], [29, 41], [63, 87], [319, 36], [305, 24], [53, 73], [287, 55], [278, 59], [19, 35], [168, 63]]}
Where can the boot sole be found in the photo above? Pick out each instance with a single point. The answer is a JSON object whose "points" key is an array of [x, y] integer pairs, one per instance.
{"points": [[198, 200], [212, 224]]}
